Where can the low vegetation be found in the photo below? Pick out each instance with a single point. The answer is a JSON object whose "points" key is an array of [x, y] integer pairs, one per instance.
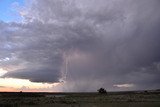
{"points": [[102, 91], [37, 99]]}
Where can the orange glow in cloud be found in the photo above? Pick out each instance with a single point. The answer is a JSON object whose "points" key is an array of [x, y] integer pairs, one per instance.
{"points": [[7, 89], [16, 85], [11, 84]]}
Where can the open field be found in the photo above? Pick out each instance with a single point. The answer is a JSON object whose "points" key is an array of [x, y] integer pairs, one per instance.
{"points": [[112, 99]]}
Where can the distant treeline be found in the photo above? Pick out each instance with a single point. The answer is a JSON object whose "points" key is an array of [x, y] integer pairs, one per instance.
{"points": [[20, 94]]}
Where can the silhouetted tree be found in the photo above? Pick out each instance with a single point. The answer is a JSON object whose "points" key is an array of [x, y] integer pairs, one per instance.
{"points": [[102, 91]]}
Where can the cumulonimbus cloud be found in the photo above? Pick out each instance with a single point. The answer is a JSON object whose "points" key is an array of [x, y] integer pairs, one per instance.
{"points": [[105, 42]]}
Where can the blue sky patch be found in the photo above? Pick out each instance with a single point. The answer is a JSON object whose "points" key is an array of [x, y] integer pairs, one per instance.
{"points": [[8, 12]]}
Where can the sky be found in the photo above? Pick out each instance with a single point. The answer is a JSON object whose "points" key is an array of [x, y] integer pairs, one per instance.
{"points": [[8, 10], [79, 45]]}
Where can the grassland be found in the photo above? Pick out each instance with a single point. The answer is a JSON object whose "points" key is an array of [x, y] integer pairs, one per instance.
{"points": [[111, 99]]}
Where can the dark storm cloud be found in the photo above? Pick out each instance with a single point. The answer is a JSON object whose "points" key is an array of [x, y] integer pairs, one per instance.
{"points": [[36, 75], [105, 43]]}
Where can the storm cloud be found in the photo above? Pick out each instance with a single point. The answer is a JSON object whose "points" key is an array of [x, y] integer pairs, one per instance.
{"points": [[100, 43]]}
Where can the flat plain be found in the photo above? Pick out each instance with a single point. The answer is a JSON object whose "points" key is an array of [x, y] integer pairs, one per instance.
{"points": [[90, 99]]}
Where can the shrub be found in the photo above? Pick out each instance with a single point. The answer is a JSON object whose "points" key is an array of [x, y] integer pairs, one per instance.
{"points": [[102, 91]]}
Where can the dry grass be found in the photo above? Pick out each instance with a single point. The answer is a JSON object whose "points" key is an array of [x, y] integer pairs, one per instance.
{"points": [[78, 99]]}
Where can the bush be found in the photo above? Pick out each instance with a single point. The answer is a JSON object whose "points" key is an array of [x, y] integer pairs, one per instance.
{"points": [[102, 91]]}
